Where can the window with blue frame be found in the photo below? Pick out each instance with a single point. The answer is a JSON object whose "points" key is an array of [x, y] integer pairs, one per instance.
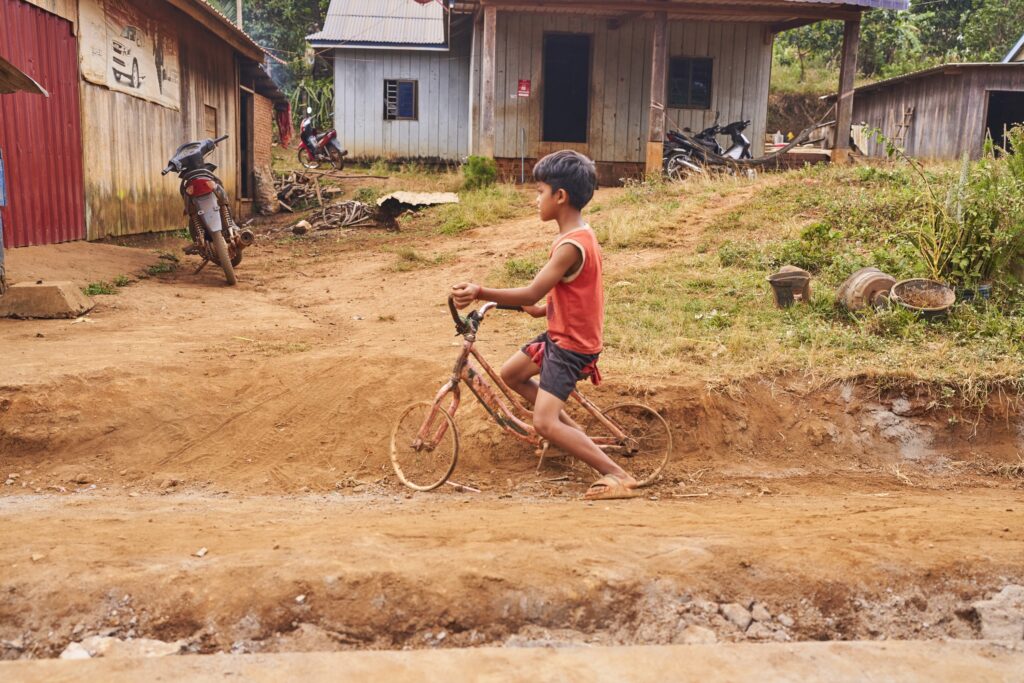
{"points": [[401, 101], [689, 83]]}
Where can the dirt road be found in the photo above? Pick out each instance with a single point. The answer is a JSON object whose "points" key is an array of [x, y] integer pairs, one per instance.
{"points": [[835, 662], [253, 422], [389, 571]]}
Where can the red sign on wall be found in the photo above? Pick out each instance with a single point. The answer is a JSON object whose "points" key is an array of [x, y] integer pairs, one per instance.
{"points": [[524, 88]]}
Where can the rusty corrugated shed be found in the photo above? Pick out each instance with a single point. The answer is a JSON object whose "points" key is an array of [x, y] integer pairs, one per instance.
{"points": [[382, 23], [41, 136]]}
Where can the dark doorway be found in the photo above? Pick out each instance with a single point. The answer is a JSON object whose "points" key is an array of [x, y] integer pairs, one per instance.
{"points": [[566, 87], [245, 142], [1005, 110]]}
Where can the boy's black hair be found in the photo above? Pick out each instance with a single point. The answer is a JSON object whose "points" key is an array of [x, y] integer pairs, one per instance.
{"points": [[570, 171]]}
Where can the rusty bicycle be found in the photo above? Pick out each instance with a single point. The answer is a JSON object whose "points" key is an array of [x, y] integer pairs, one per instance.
{"points": [[425, 440]]}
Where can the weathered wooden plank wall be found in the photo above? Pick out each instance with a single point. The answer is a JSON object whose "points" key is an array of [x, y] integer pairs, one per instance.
{"points": [[442, 129], [741, 72], [65, 9], [949, 110], [128, 140], [620, 81]]}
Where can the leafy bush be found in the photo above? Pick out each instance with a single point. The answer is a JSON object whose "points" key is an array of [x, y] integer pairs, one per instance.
{"points": [[479, 172], [979, 228]]}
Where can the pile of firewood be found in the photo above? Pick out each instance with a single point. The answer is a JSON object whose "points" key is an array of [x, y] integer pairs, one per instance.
{"points": [[297, 190]]}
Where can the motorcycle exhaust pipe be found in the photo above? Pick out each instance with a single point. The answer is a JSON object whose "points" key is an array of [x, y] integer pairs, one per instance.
{"points": [[246, 238]]}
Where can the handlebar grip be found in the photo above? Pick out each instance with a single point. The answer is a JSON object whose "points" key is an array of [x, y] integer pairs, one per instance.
{"points": [[460, 324], [503, 307], [222, 138], [165, 171]]}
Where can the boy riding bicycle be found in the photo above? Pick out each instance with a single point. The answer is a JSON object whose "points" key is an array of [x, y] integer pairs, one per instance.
{"points": [[568, 351]]}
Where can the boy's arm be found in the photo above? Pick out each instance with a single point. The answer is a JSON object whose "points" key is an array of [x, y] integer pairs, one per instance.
{"points": [[564, 258]]}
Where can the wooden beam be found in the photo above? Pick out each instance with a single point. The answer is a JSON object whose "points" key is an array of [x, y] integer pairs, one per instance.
{"points": [[758, 11], [656, 112], [487, 81], [844, 104], [220, 26], [781, 26]]}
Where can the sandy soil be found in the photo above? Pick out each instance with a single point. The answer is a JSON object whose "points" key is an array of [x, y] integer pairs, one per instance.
{"points": [[253, 421], [835, 662]]}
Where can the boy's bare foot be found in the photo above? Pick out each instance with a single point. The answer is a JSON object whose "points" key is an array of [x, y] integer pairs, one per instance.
{"points": [[612, 487]]}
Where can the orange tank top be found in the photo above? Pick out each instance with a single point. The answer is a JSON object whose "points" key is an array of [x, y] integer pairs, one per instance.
{"points": [[576, 304]]}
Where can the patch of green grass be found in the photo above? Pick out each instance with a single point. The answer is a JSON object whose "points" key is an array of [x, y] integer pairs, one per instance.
{"points": [[410, 259], [640, 226], [480, 207], [520, 270], [101, 287], [367, 195], [122, 281], [161, 268], [720, 322]]}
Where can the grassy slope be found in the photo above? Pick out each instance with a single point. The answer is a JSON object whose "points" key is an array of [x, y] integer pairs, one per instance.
{"points": [[705, 311]]}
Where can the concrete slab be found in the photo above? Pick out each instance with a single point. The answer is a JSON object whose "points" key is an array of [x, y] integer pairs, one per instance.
{"points": [[836, 662], [44, 300]]}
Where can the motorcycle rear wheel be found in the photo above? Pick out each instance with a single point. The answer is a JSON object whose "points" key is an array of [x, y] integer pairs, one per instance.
{"points": [[220, 247], [307, 159], [679, 167], [337, 160]]}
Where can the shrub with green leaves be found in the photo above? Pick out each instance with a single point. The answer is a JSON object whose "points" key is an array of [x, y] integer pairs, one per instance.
{"points": [[479, 172]]}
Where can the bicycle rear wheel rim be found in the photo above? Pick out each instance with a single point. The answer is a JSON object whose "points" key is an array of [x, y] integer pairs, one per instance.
{"points": [[652, 436]]}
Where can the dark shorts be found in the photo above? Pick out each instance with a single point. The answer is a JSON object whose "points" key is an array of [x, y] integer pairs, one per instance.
{"points": [[560, 369]]}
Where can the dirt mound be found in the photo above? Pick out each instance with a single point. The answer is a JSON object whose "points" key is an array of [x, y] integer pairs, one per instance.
{"points": [[792, 112], [322, 421]]}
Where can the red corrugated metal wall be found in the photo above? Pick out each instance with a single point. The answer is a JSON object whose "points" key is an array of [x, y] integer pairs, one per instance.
{"points": [[41, 137]]}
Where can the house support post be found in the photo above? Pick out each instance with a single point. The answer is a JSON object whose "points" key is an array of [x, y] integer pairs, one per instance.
{"points": [[844, 103], [656, 113], [487, 81]]}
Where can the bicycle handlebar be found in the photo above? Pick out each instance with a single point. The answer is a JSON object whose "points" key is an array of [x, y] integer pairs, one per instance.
{"points": [[471, 323]]}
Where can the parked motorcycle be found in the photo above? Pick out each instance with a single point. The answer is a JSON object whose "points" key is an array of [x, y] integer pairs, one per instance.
{"points": [[740, 147], [215, 235], [688, 154], [316, 148]]}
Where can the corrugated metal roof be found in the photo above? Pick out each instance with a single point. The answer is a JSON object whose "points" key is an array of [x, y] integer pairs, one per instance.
{"points": [[1016, 53], [874, 4], [467, 5], [943, 68], [364, 23]]}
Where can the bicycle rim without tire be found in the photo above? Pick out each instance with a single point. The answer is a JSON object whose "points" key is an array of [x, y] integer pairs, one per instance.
{"points": [[429, 466], [649, 431]]}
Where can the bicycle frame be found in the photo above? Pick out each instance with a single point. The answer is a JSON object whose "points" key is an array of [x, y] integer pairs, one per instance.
{"points": [[507, 409]]}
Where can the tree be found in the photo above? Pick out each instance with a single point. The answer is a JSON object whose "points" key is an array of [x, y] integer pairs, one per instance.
{"points": [[992, 28], [816, 42], [889, 41], [281, 26]]}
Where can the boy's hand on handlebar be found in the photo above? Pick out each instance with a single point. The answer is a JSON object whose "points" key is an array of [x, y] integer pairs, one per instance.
{"points": [[536, 311], [465, 293]]}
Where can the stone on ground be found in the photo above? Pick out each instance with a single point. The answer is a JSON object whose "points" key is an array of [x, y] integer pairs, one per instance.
{"points": [[44, 300], [1002, 617]]}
